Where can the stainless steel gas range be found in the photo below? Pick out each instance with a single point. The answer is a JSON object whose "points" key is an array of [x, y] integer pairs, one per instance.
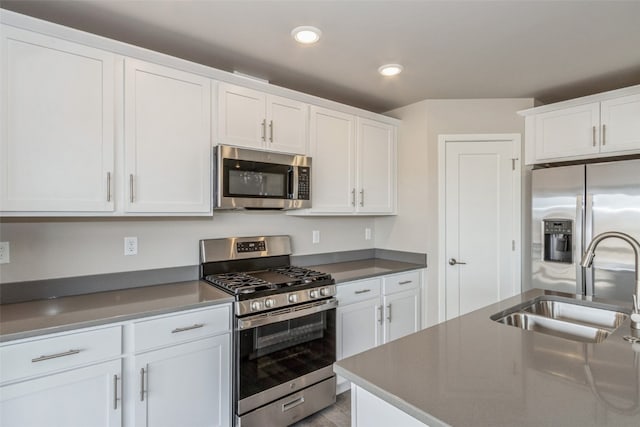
{"points": [[284, 329]]}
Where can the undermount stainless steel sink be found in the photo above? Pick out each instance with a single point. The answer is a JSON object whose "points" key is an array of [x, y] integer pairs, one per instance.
{"points": [[575, 320]]}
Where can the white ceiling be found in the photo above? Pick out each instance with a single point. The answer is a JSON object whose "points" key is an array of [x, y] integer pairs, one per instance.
{"points": [[548, 50]]}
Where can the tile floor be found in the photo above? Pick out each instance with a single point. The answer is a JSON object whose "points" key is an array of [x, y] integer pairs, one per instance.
{"points": [[338, 415]]}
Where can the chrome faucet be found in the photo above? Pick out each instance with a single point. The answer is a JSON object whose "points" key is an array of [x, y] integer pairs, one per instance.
{"points": [[587, 260]]}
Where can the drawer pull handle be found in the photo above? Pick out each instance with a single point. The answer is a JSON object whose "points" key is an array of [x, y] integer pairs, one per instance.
{"points": [[54, 356], [364, 291], [405, 282], [188, 328], [292, 404]]}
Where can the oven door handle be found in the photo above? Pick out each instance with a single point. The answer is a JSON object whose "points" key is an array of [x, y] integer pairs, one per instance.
{"points": [[282, 315]]}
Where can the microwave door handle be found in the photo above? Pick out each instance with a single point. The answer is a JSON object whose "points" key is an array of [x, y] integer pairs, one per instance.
{"points": [[292, 180]]}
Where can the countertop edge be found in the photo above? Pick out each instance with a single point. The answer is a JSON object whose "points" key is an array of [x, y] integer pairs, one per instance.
{"points": [[391, 399]]}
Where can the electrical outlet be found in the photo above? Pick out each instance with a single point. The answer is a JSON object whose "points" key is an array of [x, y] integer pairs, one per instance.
{"points": [[367, 233], [131, 246], [4, 253], [315, 236]]}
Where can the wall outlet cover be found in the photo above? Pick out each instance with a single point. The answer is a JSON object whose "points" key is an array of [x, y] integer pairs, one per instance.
{"points": [[315, 236], [130, 246], [5, 255]]}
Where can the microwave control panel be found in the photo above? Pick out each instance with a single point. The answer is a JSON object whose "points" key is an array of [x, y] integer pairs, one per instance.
{"points": [[304, 181]]}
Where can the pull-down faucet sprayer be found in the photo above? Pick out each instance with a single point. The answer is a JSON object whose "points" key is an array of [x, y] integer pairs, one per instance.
{"points": [[587, 260]]}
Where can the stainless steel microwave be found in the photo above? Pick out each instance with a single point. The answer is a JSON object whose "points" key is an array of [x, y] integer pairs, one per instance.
{"points": [[255, 179]]}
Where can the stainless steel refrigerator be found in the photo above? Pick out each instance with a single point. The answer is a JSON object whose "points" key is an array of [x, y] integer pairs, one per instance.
{"points": [[571, 205]]}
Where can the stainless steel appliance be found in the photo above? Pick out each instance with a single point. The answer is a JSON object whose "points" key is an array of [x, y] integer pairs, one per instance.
{"points": [[570, 206], [284, 329], [253, 179]]}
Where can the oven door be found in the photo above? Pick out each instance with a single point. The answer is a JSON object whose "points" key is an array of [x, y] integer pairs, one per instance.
{"points": [[280, 352]]}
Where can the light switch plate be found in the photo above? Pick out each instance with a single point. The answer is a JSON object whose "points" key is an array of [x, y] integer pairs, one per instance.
{"points": [[315, 236], [367, 233], [5, 255]]}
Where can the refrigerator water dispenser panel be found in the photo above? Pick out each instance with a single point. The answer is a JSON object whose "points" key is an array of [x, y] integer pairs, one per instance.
{"points": [[558, 238]]}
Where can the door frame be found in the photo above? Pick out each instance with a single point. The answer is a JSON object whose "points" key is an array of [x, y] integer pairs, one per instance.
{"points": [[443, 139]]}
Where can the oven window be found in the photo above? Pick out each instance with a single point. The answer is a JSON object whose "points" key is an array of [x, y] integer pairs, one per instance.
{"points": [[255, 179], [273, 354]]}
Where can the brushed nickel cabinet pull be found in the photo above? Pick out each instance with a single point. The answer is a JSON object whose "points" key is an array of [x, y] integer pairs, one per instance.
{"points": [[389, 313], [362, 197], [115, 392], [379, 314], [131, 187], [604, 133], [364, 291], [108, 186], [353, 197], [264, 130], [54, 356], [594, 136], [405, 282], [270, 130], [188, 328], [142, 385]]}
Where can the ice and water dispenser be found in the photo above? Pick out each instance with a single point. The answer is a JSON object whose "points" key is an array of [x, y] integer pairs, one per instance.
{"points": [[558, 238]]}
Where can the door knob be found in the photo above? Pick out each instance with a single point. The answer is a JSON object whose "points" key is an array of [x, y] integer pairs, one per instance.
{"points": [[453, 261]]}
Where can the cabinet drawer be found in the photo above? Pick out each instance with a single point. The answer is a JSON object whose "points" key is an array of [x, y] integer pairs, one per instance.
{"points": [[361, 290], [180, 327], [42, 356], [401, 282]]}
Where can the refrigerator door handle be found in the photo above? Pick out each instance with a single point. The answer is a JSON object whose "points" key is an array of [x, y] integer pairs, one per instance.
{"points": [[588, 235]]}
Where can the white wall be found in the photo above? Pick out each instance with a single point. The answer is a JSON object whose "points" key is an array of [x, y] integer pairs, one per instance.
{"points": [[54, 248], [415, 228]]}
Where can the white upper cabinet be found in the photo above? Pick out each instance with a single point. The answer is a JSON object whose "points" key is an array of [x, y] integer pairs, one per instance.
{"points": [[57, 141], [376, 154], [167, 140], [354, 162], [568, 132], [253, 119], [592, 127], [333, 152], [620, 124]]}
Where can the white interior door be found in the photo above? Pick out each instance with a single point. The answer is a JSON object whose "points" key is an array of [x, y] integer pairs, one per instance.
{"points": [[482, 222]]}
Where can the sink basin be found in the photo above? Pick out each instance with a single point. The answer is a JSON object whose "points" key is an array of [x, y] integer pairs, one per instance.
{"points": [[565, 318]]}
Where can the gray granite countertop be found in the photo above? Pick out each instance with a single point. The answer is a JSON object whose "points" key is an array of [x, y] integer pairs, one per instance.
{"points": [[363, 269], [27, 319], [472, 371]]}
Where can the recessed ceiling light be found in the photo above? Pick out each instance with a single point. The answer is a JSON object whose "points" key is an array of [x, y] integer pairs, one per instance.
{"points": [[306, 34], [390, 69]]}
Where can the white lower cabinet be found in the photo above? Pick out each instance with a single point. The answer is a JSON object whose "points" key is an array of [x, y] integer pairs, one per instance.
{"points": [[186, 384], [376, 311], [180, 373], [173, 370], [368, 410], [89, 396], [62, 380]]}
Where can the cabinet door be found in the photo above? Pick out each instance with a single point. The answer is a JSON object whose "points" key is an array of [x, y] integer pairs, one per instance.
{"points": [[332, 147], [167, 140], [287, 125], [89, 396], [568, 132], [402, 314], [620, 124], [241, 116], [57, 146], [376, 153], [185, 385], [359, 327]]}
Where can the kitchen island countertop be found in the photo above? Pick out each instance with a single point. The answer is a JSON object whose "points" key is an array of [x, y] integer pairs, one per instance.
{"points": [[33, 318], [473, 371]]}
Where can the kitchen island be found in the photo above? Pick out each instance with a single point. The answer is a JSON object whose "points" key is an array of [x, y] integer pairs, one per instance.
{"points": [[473, 371]]}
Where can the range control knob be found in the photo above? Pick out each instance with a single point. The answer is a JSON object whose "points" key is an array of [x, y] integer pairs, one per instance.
{"points": [[314, 293], [256, 306], [325, 292], [269, 303], [293, 298]]}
